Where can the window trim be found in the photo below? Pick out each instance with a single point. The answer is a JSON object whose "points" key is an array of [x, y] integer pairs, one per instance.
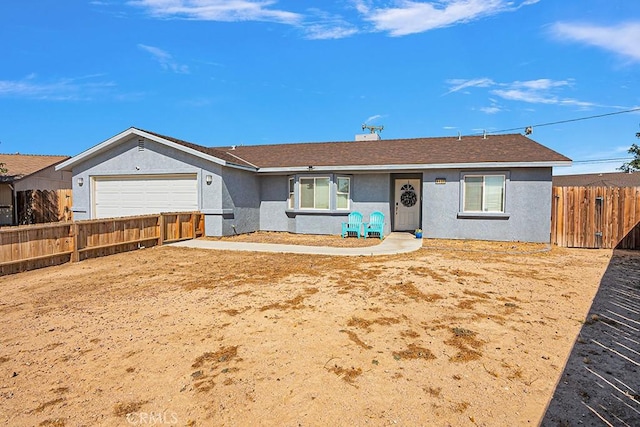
{"points": [[291, 201], [338, 192], [484, 214], [298, 179], [314, 208]]}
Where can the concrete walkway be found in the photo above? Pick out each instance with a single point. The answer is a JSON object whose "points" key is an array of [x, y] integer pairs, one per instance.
{"points": [[394, 243]]}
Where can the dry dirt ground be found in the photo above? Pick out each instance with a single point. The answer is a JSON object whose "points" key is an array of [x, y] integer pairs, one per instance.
{"points": [[457, 333]]}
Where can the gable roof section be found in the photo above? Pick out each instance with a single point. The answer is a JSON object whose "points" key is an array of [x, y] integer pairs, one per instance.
{"points": [[22, 165], [214, 152], [513, 150], [611, 179], [210, 154], [492, 151]]}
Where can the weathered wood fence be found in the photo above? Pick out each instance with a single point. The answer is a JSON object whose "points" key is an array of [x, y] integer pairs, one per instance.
{"points": [[36, 246], [44, 206], [596, 217]]}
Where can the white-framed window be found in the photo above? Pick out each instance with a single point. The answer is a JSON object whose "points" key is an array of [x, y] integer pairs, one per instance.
{"points": [[314, 193], [291, 199], [343, 192], [483, 193]]}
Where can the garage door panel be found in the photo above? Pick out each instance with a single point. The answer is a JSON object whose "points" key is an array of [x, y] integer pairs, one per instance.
{"points": [[124, 196]]}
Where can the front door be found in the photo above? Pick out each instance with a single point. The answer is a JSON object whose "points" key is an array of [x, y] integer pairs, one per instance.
{"points": [[407, 205]]}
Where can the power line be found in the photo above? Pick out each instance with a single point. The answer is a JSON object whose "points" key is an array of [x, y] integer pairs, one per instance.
{"points": [[603, 160], [565, 121]]}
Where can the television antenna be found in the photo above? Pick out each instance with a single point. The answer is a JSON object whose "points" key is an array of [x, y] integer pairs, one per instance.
{"points": [[372, 129]]}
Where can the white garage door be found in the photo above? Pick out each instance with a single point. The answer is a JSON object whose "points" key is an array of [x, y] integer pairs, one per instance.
{"points": [[140, 195]]}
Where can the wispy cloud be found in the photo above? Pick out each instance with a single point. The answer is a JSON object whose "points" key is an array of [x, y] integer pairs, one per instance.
{"points": [[460, 84], [322, 25], [539, 91], [403, 18], [623, 39], [83, 88], [165, 59], [410, 17], [372, 118], [218, 10]]}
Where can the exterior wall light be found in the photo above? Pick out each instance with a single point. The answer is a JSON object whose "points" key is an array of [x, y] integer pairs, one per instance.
{"points": [[80, 181], [208, 179]]}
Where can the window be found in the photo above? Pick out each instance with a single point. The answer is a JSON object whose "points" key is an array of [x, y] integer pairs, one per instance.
{"points": [[314, 193], [484, 193], [343, 192], [290, 200]]}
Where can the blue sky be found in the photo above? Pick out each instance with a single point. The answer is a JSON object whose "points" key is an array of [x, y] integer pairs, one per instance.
{"points": [[76, 72]]}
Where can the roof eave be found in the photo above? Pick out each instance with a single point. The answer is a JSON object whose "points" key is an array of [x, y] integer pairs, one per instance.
{"points": [[418, 166]]}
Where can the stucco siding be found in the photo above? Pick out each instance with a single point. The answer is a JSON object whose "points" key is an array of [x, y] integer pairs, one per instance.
{"points": [[46, 179], [372, 192], [240, 194], [369, 193], [127, 159], [527, 207], [273, 206]]}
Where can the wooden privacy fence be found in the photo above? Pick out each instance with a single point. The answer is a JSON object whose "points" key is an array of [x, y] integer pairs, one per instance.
{"points": [[43, 206], [35, 246], [596, 217]]}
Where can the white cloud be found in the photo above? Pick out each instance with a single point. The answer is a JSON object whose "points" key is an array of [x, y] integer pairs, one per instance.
{"points": [[69, 89], [218, 10], [165, 59], [491, 110], [410, 17], [459, 84], [623, 39], [539, 91], [372, 118], [322, 25]]}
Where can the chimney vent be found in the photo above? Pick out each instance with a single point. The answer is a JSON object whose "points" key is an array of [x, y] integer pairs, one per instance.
{"points": [[368, 137]]}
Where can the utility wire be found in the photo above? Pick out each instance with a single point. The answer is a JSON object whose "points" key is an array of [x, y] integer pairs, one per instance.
{"points": [[603, 160], [564, 121]]}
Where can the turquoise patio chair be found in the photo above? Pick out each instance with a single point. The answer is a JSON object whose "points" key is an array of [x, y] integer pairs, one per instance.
{"points": [[375, 224], [353, 224]]}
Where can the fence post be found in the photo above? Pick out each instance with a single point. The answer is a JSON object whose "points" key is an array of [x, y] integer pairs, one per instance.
{"points": [[160, 229], [75, 255]]}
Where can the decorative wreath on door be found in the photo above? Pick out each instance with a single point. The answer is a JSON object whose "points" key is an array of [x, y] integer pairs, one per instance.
{"points": [[408, 196]]}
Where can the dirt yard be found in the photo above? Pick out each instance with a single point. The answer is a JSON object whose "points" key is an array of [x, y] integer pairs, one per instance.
{"points": [[458, 333]]}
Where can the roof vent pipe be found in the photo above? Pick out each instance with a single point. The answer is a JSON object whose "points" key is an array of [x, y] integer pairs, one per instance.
{"points": [[484, 134], [459, 137]]}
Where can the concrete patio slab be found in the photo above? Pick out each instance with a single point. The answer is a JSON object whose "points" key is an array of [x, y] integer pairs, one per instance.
{"points": [[394, 243]]}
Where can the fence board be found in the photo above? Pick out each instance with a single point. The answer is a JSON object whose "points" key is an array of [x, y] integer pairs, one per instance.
{"points": [[35, 246], [596, 217], [44, 206]]}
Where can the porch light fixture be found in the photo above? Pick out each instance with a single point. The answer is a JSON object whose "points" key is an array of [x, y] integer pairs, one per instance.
{"points": [[80, 181], [208, 179]]}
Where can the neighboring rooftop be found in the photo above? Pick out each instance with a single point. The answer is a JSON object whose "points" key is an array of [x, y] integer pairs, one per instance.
{"points": [[609, 179], [20, 165]]}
